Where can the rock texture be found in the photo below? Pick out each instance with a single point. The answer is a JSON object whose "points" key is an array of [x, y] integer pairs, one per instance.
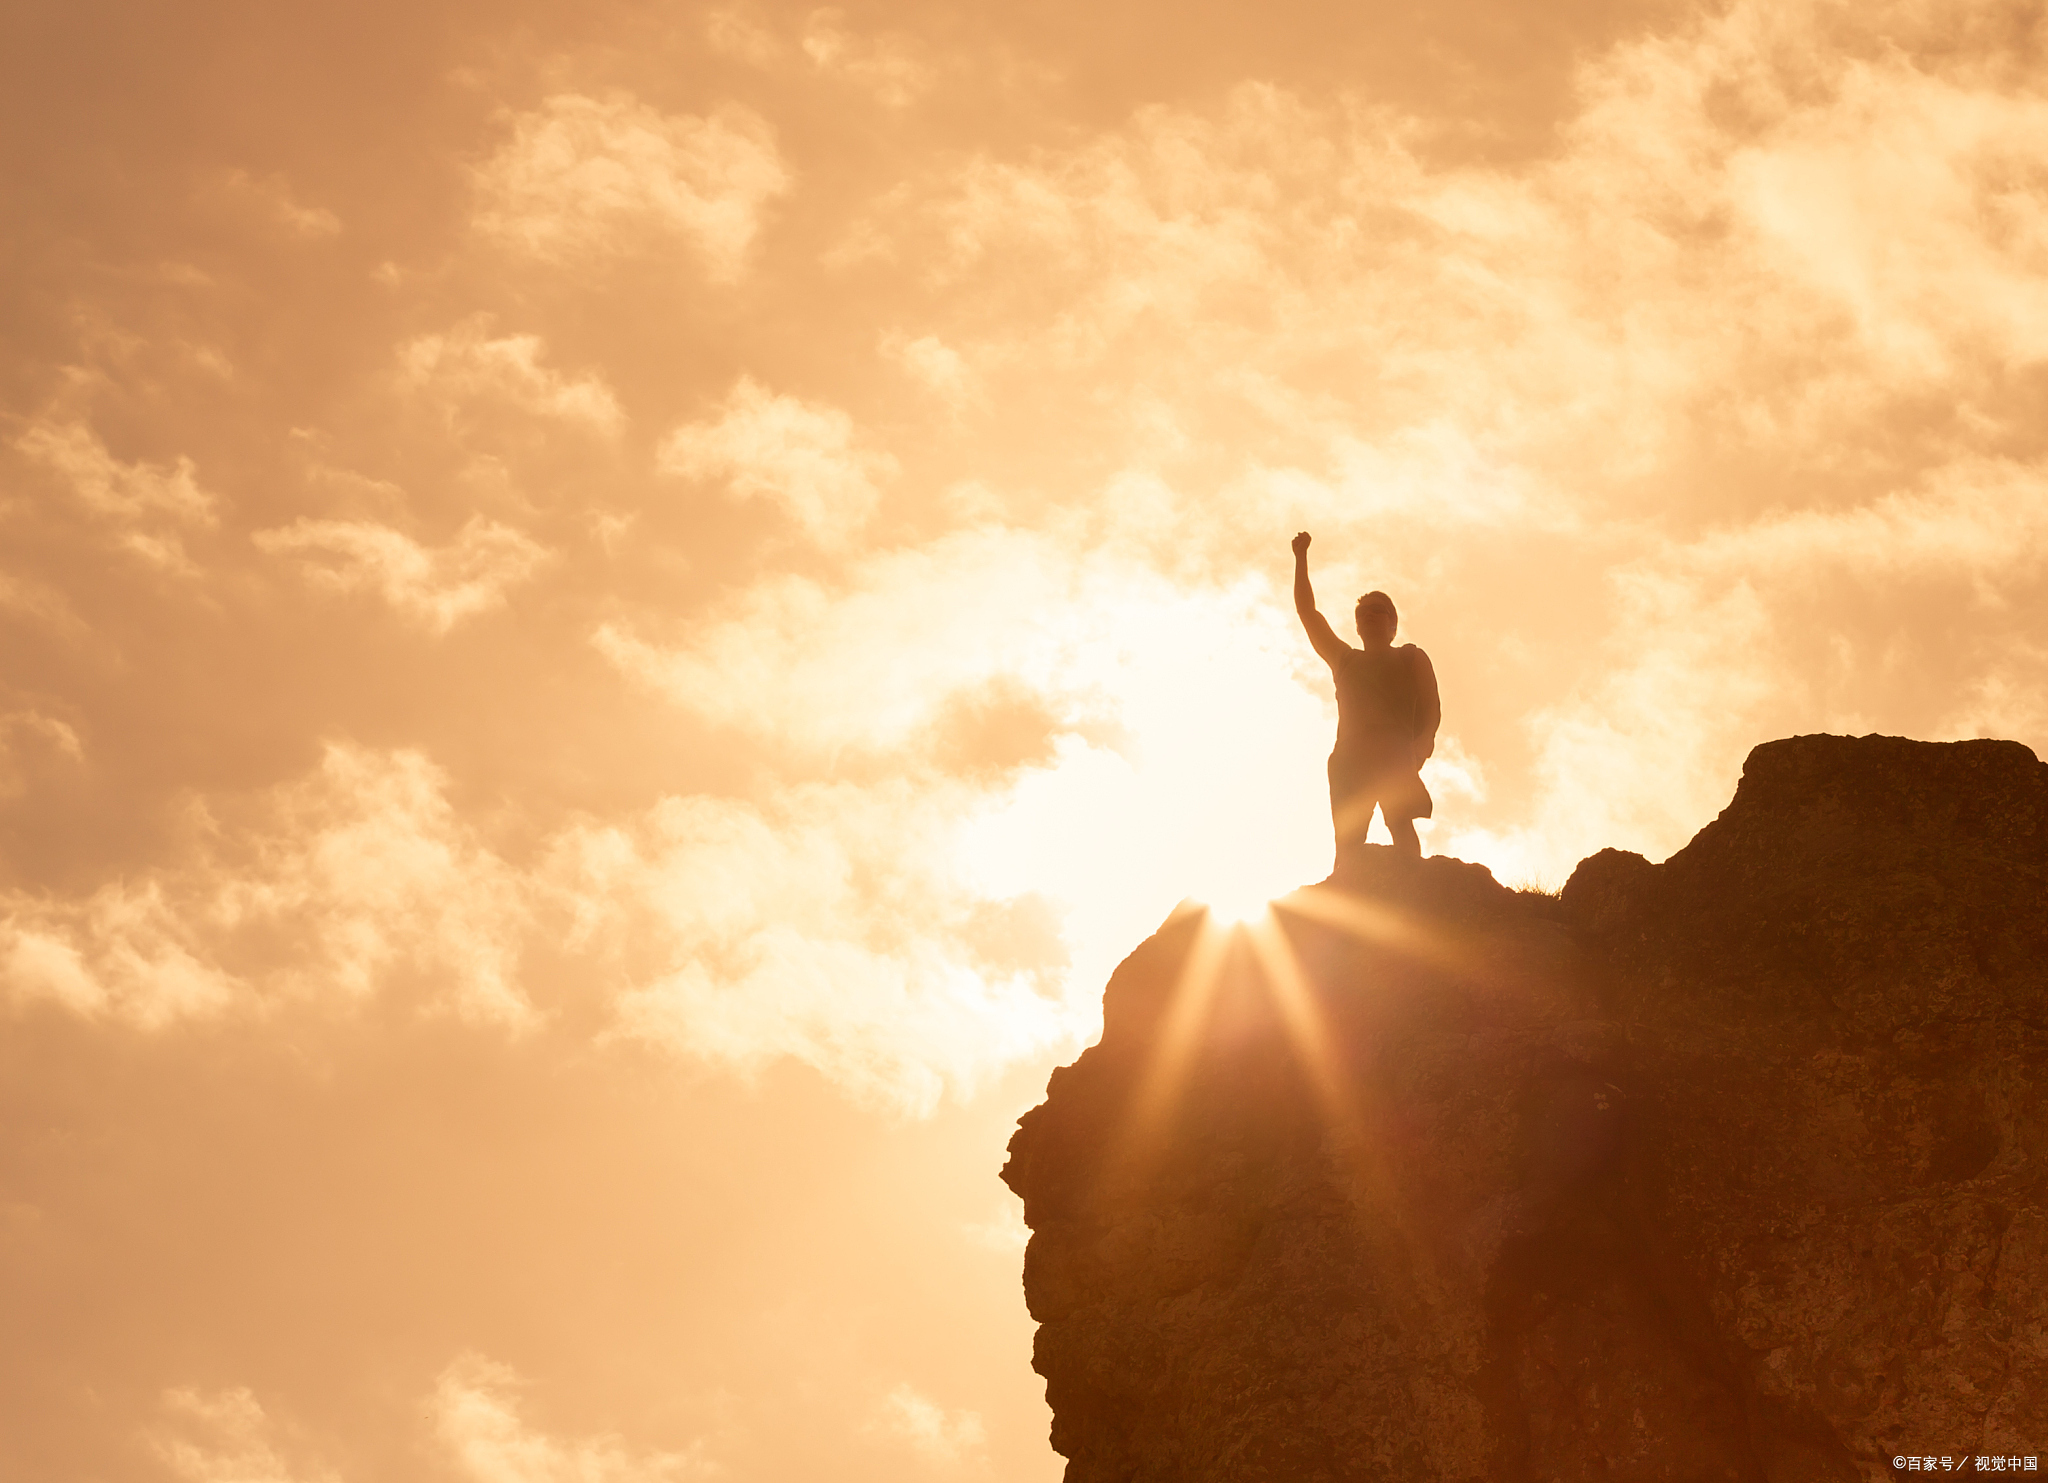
{"points": [[1734, 1167]]}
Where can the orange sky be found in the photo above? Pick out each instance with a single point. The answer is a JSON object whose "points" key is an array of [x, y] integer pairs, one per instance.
{"points": [[613, 614]]}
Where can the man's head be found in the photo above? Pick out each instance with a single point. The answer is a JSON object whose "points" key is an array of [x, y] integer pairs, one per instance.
{"points": [[1377, 620]]}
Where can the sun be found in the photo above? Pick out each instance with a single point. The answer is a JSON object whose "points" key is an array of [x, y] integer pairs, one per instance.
{"points": [[1250, 851], [1238, 904], [1210, 787]]}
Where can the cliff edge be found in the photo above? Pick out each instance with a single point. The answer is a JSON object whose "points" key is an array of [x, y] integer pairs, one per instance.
{"points": [[1734, 1167]]}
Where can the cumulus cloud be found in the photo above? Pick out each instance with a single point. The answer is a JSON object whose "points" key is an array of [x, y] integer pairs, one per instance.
{"points": [[866, 663], [469, 362], [1336, 301], [887, 67], [30, 740], [127, 951], [224, 1437], [1730, 638], [1003, 1233], [1285, 293], [1905, 196], [1697, 340], [145, 502], [1984, 519], [829, 927], [354, 878], [734, 32], [582, 177], [1084, 729], [937, 366], [800, 456], [1711, 415], [477, 1422], [1653, 750], [271, 199], [39, 602], [2006, 700], [935, 1434], [436, 587], [832, 926]]}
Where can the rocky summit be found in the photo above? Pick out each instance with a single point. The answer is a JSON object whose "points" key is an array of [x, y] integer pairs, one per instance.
{"points": [[1726, 1168]]}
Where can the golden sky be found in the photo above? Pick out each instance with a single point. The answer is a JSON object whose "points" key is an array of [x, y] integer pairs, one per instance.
{"points": [[610, 616]]}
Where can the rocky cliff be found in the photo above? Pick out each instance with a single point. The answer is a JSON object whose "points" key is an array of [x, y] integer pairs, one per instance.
{"points": [[1734, 1167]]}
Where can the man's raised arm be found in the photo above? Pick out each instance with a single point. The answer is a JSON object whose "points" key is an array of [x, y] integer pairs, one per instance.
{"points": [[1326, 643]]}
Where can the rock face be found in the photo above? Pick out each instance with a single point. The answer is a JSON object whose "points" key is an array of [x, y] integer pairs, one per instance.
{"points": [[1734, 1167]]}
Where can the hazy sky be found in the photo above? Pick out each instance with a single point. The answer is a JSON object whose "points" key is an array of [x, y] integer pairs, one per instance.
{"points": [[610, 616]]}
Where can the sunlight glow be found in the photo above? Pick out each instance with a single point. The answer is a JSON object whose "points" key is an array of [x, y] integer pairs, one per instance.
{"points": [[620, 614], [1303, 1020], [1370, 921], [1218, 948], [1199, 974], [1238, 907], [1208, 783], [1351, 1115]]}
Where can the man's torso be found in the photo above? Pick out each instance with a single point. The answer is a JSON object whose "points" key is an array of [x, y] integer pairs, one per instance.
{"points": [[1376, 704]]}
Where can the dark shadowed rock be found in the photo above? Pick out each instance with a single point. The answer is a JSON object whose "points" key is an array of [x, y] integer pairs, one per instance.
{"points": [[1726, 1168]]}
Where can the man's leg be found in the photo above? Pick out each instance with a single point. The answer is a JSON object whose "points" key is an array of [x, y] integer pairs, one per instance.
{"points": [[1350, 812], [1401, 805]]}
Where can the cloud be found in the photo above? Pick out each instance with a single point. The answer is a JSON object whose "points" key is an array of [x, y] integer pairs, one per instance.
{"points": [[1004, 1233], [39, 601], [733, 32], [478, 1424], [1070, 724], [1452, 772], [2006, 700], [1749, 340], [223, 1437], [107, 486], [867, 663], [1685, 400], [145, 502], [1730, 638], [1653, 750], [936, 1435], [1986, 519], [436, 587], [873, 661], [125, 953], [1904, 196], [1307, 308], [271, 198], [935, 365], [876, 661], [889, 68], [468, 362], [829, 926], [357, 877], [30, 740], [798, 455], [1743, 225], [588, 177], [886, 67]]}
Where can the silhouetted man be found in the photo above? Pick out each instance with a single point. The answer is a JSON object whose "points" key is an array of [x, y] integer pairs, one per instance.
{"points": [[1387, 715]]}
